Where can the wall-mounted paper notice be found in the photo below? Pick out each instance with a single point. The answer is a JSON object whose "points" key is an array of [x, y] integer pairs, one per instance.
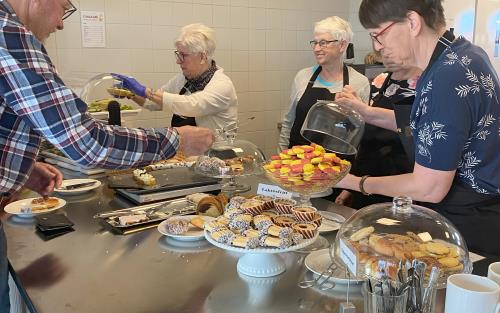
{"points": [[93, 29]]}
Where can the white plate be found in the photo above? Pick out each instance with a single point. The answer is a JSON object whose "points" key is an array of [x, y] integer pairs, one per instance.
{"points": [[194, 233], [318, 261], [328, 225], [15, 207], [68, 182], [178, 246]]}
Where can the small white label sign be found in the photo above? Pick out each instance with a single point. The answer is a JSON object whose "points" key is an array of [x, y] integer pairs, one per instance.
{"points": [[273, 191], [93, 29], [348, 257]]}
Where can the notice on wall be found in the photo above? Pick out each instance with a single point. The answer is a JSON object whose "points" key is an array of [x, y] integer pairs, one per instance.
{"points": [[93, 29]]}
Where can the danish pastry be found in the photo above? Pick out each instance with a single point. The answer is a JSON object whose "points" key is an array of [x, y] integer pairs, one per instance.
{"points": [[39, 204]]}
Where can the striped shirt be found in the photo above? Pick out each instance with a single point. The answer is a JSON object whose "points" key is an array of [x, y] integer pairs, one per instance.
{"points": [[35, 103]]}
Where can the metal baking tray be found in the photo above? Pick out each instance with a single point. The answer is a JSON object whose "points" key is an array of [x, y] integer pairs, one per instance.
{"points": [[167, 179], [168, 208]]}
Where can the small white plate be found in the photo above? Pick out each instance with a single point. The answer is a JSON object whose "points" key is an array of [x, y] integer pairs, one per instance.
{"points": [[77, 191], [15, 207], [194, 233], [178, 246], [327, 225], [318, 261]]}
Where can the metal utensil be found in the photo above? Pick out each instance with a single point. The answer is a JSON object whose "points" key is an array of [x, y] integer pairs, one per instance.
{"points": [[77, 186], [321, 280]]}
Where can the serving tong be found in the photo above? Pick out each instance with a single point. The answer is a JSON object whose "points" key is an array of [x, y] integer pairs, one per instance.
{"points": [[148, 211], [410, 281], [323, 280]]}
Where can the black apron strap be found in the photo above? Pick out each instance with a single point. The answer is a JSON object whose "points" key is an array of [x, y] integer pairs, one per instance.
{"points": [[178, 120], [382, 89], [345, 75], [310, 96]]}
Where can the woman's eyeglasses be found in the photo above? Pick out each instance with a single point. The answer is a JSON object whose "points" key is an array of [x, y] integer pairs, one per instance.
{"points": [[375, 37], [68, 12], [180, 55], [322, 43]]}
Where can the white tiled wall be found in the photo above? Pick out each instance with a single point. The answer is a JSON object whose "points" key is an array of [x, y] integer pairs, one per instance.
{"points": [[260, 43]]}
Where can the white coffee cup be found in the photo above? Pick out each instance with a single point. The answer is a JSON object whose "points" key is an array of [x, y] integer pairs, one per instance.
{"points": [[494, 272], [466, 293]]}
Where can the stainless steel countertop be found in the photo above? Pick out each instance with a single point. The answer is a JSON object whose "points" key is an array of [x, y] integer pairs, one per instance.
{"points": [[93, 270]]}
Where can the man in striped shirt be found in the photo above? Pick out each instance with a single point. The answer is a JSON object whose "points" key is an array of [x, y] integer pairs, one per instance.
{"points": [[35, 103]]}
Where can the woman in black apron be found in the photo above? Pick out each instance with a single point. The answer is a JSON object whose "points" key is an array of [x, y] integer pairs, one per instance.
{"points": [[331, 41], [476, 215], [381, 152], [309, 98]]}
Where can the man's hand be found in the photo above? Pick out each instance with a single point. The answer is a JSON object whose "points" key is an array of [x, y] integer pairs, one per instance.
{"points": [[194, 140], [44, 178]]}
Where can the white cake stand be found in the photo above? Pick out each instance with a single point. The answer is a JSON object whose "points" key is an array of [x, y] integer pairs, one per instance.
{"points": [[260, 262]]}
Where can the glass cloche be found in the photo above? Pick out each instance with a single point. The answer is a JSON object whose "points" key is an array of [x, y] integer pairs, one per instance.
{"points": [[336, 127], [103, 88], [377, 239], [229, 158]]}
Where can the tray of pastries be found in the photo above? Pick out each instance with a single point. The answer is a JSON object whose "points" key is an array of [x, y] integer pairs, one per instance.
{"points": [[146, 216], [262, 223]]}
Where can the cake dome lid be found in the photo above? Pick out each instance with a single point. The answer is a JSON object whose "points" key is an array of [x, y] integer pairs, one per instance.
{"points": [[229, 157], [99, 90], [391, 233], [334, 126]]}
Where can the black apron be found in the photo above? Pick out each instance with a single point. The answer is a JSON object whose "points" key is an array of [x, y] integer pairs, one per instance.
{"points": [[476, 215], [309, 98], [402, 111], [381, 152], [179, 120]]}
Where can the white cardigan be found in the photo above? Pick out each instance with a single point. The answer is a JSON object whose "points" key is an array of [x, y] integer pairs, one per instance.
{"points": [[214, 107]]}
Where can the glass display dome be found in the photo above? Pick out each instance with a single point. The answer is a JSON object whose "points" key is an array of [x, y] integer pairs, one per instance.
{"points": [[335, 127], [229, 158], [377, 238], [101, 89]]}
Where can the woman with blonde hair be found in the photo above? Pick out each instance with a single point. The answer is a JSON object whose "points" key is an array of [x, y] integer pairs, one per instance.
{"points": [[202, 95]]}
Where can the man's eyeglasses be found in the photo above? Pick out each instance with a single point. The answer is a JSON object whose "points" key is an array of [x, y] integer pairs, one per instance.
{"points": [[376, 36], [180, 55], [322, 43], [68, 12]]}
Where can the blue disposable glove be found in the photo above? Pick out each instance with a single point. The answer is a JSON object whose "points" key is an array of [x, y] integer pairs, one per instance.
{"points": [[131, 84]]}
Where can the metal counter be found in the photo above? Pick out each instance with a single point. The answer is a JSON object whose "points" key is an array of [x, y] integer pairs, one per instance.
{"points": [[92, 270]]}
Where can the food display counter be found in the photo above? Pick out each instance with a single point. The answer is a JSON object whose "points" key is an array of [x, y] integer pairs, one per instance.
{"points": [[94, 270]]}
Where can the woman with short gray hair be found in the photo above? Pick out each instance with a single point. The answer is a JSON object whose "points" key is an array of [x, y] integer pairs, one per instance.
{"points": [[202, 95], [320, 82]]}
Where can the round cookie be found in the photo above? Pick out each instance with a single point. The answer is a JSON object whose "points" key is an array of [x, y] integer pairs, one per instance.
{"points": [[449, 262], [437, 248]]}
